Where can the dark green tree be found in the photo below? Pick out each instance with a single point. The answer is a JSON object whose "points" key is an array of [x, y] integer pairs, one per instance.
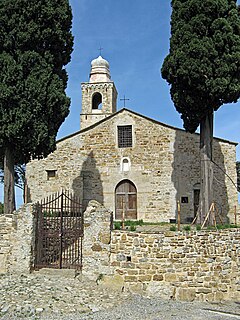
{"points": [[35, 45], [203, 69], [238, 175]]}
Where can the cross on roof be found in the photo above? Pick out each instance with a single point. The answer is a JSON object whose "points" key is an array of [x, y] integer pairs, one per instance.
{"points": [[100, 50], [124, 99]]}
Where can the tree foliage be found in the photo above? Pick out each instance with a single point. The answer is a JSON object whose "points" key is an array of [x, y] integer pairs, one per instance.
{"points": [[238, 175], [19, 176], [35, 45], [203, 66], [1, 208]]}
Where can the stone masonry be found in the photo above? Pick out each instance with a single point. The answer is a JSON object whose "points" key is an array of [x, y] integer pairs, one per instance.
{"points": [[17, 241], [118, 151], [202, 265], [163, 165]]}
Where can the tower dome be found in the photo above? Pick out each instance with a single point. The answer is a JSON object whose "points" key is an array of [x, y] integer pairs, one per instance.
{"points": [[99, 70]]}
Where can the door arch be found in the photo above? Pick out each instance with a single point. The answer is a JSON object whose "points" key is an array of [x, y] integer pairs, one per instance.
{"points": [[126, 199]]}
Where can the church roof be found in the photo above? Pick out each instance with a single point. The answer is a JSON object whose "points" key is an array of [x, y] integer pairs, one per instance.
{"points": [[138, 115]]}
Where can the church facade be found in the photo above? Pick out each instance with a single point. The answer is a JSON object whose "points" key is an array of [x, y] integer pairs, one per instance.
{"points": [[130, 163]]}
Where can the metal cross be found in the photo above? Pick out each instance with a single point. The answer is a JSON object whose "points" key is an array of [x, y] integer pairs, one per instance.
{"points": [[100, 50], [124, 99]]}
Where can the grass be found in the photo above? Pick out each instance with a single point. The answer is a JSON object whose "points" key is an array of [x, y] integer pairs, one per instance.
{"points": [[187, 228], [132, 224]]}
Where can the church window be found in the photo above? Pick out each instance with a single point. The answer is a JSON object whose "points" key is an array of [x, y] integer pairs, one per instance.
{"points": [[125, 164], [97, 101], [184, 199], [124, 136], [51, 174]]}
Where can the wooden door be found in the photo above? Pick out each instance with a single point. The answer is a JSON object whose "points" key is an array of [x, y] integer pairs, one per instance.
{"points": [[126, 199]]}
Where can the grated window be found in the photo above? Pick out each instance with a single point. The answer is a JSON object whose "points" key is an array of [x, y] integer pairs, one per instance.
{"points": [[124, 136], [51, 174]]}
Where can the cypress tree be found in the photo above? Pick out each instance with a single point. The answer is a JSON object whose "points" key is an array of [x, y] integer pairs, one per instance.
{"points": [[203, 69], [35, 45]]}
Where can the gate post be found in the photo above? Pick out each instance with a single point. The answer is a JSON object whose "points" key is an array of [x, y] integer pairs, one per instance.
{"points": [[23, 240], [96, 241]]}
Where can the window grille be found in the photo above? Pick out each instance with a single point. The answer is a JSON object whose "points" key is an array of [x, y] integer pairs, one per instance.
{"points": [[124, 136], [51, 174]]}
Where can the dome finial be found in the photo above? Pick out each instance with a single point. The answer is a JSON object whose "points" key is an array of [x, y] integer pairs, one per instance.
{"points": [[100, 70], [100, 50]]}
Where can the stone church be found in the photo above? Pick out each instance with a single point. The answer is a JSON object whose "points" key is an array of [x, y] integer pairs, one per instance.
{"points": [[131, 163]]}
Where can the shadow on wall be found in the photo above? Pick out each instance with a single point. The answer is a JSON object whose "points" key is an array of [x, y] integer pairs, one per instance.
{"points": [[186, 176], [88, 184]]}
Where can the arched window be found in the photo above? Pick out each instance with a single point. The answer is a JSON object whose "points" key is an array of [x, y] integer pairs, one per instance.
{"points": [[97, 101], [126, 201], [125, 164]]}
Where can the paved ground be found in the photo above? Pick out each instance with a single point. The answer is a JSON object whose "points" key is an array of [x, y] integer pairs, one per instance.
{"points": [[46, 297]]}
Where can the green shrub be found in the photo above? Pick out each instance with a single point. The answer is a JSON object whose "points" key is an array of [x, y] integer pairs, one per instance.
{"points": [[117, 225], [198, 227], [233, 226], [187, 228], [226, 226], [132, 228], [130, 223], [173, 228]]}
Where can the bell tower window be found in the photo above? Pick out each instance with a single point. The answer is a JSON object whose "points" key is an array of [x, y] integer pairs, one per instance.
{"points": [[97, 101]]}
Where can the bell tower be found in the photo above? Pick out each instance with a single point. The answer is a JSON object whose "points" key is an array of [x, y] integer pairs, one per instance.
{"points": [[99, 95]]}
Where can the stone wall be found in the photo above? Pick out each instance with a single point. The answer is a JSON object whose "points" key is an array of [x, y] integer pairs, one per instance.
{"points": [[17, 241], [202, 265], [6, 227], [163, 165], [96, 240]]}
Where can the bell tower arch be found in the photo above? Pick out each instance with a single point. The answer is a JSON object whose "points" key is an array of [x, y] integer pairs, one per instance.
{"points": [[99, 95]]}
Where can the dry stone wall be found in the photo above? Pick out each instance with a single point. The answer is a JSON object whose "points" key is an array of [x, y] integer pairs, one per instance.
{"points": [[203, 265], [96, 240], [17, 240], [6, 227]]}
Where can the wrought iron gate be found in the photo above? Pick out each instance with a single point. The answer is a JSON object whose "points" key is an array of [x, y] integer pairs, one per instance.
{"points": [[59, 232]]}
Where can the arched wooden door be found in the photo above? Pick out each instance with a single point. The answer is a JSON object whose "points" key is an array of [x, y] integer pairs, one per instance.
{"points": [[126, 199]]}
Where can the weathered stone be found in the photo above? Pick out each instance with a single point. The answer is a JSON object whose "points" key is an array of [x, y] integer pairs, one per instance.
{"points": [[158, 277], [185, 294], [170, 277], [96, 247], [112, 282]]}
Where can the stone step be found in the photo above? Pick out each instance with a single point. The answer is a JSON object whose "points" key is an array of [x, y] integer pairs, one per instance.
{"points": [[66, 273]]}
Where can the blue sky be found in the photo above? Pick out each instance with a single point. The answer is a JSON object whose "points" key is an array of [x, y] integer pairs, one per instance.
{"points": [[134, 35]]}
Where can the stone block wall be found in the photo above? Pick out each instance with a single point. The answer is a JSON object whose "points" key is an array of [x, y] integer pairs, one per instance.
{"points": [[203, 265], [96, 240], [17, 240], [164, 167], [6, 227]]}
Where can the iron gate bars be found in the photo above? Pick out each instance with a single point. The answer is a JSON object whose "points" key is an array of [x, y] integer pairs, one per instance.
{"points": [[59, 232]]}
